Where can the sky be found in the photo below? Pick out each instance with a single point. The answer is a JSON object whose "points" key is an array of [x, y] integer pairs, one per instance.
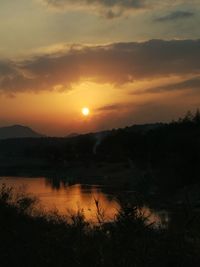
{"points": [[128, 61]]}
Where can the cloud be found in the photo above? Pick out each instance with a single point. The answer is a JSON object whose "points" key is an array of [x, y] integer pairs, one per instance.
{"points": [[108, 8], [193, 84], [117, 64], [176, 15], [6, 68], [113, 107], [139, 113], [104, 3], [108, 3], [115, 8]]}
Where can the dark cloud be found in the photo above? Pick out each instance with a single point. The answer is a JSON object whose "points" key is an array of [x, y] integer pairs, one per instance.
{"points": [[108, 8], [113, 107], [176, 15], [116, 64], [6, 68], [106, 3], [193, 84], [115, 8]]}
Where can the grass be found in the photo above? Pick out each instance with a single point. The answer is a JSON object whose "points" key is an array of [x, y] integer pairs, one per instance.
{"points": [[28, 237]]}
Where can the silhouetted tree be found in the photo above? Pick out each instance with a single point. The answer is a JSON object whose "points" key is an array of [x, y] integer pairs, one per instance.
{"points": [[196, 118], [188, 117]]}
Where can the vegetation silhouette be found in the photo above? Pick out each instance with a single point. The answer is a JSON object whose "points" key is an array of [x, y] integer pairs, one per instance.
{"points": [[30, 238], [157, 162]]}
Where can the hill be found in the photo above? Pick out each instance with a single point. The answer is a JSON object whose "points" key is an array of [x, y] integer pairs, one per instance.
{"points": [[18, 131]]}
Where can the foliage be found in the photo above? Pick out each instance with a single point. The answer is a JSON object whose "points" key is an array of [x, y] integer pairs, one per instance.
{"points": [[42, 240]]}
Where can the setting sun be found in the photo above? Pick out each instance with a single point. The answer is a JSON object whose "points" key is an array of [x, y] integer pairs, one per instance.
{"points": [[85, 111]]}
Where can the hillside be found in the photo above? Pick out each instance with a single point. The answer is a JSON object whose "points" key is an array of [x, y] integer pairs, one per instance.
{"points": [[18, 131]]}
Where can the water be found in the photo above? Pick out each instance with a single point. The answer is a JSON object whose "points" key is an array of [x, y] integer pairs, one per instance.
{"points": [[68, 199]]}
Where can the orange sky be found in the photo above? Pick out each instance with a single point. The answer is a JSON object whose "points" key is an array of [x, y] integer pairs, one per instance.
{"points": [[129, 62]]}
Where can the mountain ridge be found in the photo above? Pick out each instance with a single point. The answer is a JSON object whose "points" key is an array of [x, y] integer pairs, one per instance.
{"points": [[21, 131], [18, 131]]}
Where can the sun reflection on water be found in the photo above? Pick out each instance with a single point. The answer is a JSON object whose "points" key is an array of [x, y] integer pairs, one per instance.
{"points": [[66, 200]]}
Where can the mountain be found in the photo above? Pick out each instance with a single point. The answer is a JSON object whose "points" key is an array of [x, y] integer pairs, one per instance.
{"points": [[72, 135], [18, 131]]}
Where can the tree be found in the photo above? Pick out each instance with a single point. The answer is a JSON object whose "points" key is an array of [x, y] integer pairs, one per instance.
{"points": [[196, 118], [189, 117]]}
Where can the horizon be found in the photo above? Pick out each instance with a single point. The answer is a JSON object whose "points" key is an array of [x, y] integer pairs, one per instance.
{"points": [[85, 133], [68, 134], [130, 62]]}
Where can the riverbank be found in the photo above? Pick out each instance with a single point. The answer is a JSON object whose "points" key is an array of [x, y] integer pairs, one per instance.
{"points": [[48, 240]]}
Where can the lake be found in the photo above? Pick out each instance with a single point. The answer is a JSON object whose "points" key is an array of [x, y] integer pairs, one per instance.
{"points": [[68, 199]]}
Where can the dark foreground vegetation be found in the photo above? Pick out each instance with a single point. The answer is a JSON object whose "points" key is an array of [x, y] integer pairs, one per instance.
{"points": [[31, 238]]}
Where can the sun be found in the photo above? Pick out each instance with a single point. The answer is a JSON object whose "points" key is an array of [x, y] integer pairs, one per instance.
{"points": [[85, 111]]}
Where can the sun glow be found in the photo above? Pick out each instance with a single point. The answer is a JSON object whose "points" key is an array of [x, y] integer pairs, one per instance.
{"points": [[85, 111]]}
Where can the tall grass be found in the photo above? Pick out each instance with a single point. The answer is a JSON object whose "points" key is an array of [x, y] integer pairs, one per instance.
{"points": [[35, 239]]}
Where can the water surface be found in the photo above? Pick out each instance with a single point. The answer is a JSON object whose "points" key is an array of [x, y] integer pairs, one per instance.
{"points": [[68, 199]]}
